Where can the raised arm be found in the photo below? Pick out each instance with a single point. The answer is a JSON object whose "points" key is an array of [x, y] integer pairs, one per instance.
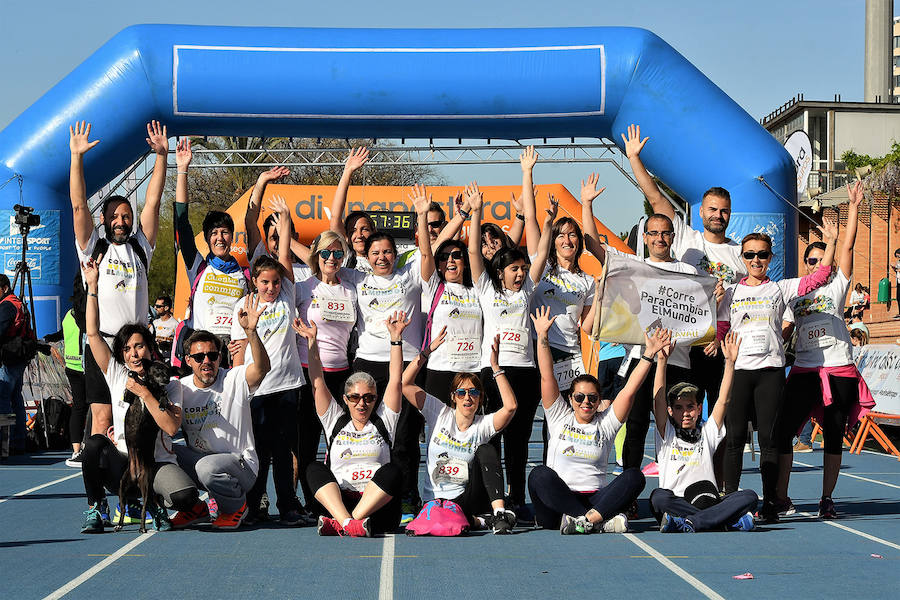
{"points": [[285, 225], [476, 260], [518, 223], [592, 241], [251, 217], [633, 146], [543, 250], [183, 157], [393, 393], [528, 159], [625, 398], [815, 280], [660, 408], [454, 225], [503, 416], [421, 201], [357, 158], [99, 347], [248, 318], [730, 348], [159, 143], [856, 196], [412, 392], [81, 213], [321, 393], [549, 386]]}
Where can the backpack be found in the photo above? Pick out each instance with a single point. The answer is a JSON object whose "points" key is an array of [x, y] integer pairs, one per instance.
{"points": [[50, 427], [102, 246], [443, 518], [18, 344], [342, 422]]}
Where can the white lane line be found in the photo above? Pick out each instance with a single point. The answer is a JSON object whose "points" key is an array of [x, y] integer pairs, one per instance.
{"points": [[59, 593], [851, 530], [386, 586], [890, 485], [693, 581], [40, 487]]}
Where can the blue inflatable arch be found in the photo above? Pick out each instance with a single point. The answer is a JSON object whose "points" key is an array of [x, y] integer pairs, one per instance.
{"points": [[389, 83]]}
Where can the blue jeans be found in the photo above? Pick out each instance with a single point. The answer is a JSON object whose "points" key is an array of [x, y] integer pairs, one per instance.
{"points": [[806, 433], [11, 401]]}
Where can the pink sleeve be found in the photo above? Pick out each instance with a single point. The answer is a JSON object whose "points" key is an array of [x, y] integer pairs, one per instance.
{"points": [[814, 280], [722, 328]]}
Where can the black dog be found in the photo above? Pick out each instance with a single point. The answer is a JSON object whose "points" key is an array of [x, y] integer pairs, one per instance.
{"points": [[141, 432]]}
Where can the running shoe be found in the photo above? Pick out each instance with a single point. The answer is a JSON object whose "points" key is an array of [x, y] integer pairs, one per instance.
{"points": [[358, 528], [826, 508], [503, 522], [307, 518], [632, 512], [768, 513], [671, 524], [785, 507], [199, 513], [618, 524], [745, 523], [801, 448], [329, 526], [160, 515], [290, 518], [75, 460], [132, 514], [575, 525], [93, 522], [230, 520]]}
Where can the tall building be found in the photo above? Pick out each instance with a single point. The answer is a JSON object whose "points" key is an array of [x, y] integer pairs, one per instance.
{"points": [[895, 81]]}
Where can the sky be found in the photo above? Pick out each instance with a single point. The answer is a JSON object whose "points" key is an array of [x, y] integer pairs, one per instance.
{"points": [[760, 53]]}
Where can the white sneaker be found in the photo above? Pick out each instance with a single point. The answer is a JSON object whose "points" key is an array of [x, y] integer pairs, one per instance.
{"points": [[75, 460], [618, 524]]}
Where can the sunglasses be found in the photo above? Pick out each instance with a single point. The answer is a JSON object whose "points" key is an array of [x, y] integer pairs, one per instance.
{"points": [[199, 356], [591, 398], [159, 305], [436, 224], [762, 254], [455, 255], [662, 234], [474, 393], [355, 398], [326, 254], [812, 261]]}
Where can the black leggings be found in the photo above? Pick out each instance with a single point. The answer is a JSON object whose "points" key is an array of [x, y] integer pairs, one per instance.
{"points": [[638, 422], [755, 396], [485, 483], [388, 477], [803, 393], [706, 373], [309, 427], [79, 405], [275, 432], [552, 498], [526, 385]]}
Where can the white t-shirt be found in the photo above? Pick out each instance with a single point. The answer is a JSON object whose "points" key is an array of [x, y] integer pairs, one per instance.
{"points": [[217, 419], [451, 451], [279, 339], [506, 312], [122, 286], [579, 452], [722, 261], [333, 309], [682, 463], [116, 376], [356, 455], [822, 337], [460, 311], [165, 330], [217, 292], [565, 294], [377, 299]]}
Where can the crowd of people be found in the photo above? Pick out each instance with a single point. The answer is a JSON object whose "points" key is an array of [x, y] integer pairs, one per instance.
{"points": [[464, 336]]}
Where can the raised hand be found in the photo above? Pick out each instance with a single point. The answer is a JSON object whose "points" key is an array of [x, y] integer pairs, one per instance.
{"points": [[829, 230], [395, 324], [183, 154], [273, 174], [157, 138], [419, 199], [712, 348], [279, 206], [91, 272], [234, 347], [660, 339], [474, 197], [552, 209], [855, 193], [731, 346], [589, 189], [307, 331], [437, 340], [542, 320], [78, 138], [665, 352], [719, 292], [495, 353], [633, 143], [528, 158], [248, 315], [357, 158]]}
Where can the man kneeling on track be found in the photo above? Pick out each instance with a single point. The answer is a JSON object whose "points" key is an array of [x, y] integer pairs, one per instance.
{"points": [[220, 454], [687, 498], [359, 485]]}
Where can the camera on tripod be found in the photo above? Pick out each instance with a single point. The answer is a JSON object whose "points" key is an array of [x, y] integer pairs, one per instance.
{"points": [[25, 217]]}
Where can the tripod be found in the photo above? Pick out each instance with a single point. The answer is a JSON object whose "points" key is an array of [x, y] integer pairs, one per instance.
{"points": [[23, 276]]}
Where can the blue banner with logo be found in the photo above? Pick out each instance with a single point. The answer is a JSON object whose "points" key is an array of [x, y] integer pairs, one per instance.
{"points": [[42, 255], [771, 223]]}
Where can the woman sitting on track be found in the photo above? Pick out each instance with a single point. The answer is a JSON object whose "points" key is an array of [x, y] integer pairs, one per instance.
{"points": [[105, 459], [754, 307], [687, 498], [359, 486], [462, 466], [824, 380], [570, 491]]}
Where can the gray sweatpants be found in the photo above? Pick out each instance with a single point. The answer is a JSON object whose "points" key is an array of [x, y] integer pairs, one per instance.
{"points": [[225, 476], [175, 487]]}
